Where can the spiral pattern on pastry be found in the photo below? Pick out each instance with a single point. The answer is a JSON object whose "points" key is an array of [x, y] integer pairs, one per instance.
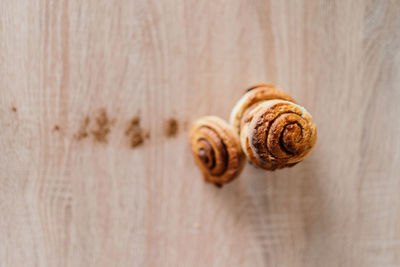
{"points": [[253, 96], [274, 132], [216, 149]]}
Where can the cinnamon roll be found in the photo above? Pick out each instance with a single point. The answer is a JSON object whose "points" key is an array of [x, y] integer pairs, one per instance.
{"points": [[274, 131], [216, 150]]}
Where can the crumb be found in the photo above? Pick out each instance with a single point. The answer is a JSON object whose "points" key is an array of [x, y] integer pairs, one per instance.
{"points": [[136, 133], [56, 128], [136, 140], [103, 123], [82, 133], [171, 128], [14, 109], [135, 122]]}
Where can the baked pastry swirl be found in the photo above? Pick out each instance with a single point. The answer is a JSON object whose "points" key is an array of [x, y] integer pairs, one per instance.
{"points": [[216, 150], [275, 132]]}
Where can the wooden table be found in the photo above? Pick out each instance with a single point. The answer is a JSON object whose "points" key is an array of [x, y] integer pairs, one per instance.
{"points": [[84, 82]]}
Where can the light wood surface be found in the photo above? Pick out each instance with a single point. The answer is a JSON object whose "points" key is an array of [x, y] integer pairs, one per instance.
{"points": [[73, 194]]}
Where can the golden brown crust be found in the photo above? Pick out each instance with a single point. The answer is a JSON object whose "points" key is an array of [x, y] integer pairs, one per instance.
{"points": [[277, 133], [216, 150], [251, 98]]}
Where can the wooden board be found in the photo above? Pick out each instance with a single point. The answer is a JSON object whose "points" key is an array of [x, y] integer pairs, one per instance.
{"points": [[74, 192]]}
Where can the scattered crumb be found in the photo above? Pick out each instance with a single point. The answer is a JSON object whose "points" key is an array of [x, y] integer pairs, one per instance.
{"points": [[135, 132], [82, 133], [102, 130], [171, 128], [56, 128], [14, 109]]}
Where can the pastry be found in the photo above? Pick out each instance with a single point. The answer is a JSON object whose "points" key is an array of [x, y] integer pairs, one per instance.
{"points": [[216, 150], [274, 131]]}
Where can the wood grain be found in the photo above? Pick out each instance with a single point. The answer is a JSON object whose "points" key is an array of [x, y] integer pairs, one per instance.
{"points": [[68, 201]]}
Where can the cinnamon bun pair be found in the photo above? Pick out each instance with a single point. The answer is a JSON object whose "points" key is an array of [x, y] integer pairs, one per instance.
{"points": [[266, 126]]}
